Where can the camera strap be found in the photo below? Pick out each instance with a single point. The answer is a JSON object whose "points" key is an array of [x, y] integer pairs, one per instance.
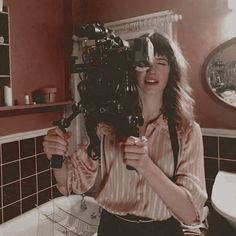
{"points": [[174, 144]]}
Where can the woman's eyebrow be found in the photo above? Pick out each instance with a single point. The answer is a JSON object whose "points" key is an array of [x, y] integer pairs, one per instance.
{"points": [[161, 59]]}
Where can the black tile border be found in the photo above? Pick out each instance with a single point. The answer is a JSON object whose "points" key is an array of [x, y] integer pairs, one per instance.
{"points": [[47, 191]]}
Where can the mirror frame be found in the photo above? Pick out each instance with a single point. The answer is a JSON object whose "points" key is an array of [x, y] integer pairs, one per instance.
{"points": [[209, 58]]}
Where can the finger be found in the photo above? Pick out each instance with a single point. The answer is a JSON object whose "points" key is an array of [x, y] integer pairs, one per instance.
{"points": [[56, 131], [67, 135], [56, 139], [59, 132], [142, 141], [52, 144], [135, 149], [131, 140], [131, 156], [53, 151]]}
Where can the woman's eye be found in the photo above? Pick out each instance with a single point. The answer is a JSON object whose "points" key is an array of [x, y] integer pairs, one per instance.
{"points": [[163, 63]]}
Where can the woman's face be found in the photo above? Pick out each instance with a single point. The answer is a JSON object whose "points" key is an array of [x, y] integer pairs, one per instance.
{"points": [[153, 80]]}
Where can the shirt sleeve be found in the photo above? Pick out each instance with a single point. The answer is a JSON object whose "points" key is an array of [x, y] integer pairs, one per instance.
{"points": [[190, 173], [81, 172]]}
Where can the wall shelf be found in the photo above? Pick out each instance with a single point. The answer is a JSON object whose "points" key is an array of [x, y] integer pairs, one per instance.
{"points": [[34, 108], [4, 76], [4, 12]]}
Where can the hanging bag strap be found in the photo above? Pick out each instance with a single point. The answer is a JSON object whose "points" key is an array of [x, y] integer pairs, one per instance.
{"points": [[174, 144]]}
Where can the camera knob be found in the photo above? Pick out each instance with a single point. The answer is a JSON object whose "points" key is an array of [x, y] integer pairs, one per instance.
{"points": [[102, 110]]}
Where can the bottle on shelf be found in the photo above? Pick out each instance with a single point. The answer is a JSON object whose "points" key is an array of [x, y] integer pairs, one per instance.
{"points": [[8, 96]]}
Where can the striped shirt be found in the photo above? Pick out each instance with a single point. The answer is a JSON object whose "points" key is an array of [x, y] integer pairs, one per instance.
{"points": [[123, 191]]}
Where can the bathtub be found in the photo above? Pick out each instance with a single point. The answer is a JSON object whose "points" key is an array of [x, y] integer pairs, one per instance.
{"points": [[72, 216]]}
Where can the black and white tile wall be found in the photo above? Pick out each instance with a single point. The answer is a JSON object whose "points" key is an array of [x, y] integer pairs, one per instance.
{"points": [[220, 154], [27, 180]]}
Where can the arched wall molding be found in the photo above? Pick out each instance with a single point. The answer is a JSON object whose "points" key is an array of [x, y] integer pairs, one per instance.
{"points": [[134, 27]]}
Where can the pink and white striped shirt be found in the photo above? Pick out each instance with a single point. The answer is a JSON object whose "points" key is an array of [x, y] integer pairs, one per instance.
{"points": [[123, 191]]}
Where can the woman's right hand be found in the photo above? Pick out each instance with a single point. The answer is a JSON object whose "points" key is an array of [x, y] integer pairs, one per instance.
{"points": [[56, 142]]}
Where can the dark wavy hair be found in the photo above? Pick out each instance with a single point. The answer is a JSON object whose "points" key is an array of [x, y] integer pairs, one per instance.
{"points": [[178, 103]]}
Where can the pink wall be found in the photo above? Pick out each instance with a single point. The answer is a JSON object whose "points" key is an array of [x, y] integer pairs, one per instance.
{"points": [[40, 46], [205, 25], [37, 46], [41, 31]]}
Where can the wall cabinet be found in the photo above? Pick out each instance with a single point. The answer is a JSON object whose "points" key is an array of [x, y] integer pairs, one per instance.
{"points": [[4, 54]]}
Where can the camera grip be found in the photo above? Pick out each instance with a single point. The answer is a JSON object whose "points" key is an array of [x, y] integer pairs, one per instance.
{"points": [[56, 161], [130, 167]]}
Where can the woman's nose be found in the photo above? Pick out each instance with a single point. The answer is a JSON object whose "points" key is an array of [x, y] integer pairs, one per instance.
{"points": [[151, 70]]}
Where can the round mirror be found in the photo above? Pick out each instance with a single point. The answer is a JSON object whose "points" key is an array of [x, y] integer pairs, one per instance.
{"points": [[220, 72]]}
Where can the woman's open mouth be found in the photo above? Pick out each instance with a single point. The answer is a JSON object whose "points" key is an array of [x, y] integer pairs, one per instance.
{"points": [[151, 81]]}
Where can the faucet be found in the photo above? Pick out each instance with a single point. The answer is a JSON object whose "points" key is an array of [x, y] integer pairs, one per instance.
{"points": [[83, 205]]}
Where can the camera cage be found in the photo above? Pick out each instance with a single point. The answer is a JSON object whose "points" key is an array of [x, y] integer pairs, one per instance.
{"points": [[107, 88]]}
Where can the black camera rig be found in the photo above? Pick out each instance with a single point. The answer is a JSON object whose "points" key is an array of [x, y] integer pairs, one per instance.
{"points": [[107, 88]]}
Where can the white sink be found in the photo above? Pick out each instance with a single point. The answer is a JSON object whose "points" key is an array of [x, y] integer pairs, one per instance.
{"points": [[223, 196]]}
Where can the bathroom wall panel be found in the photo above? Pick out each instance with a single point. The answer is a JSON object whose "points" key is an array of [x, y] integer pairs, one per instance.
{"points": [[10, 151], [29, 203], [227, 148], [39, 144], [10, 172], [28, 186], [27, 167], [28, 122], [228, 165], [44, 196], [44, 180], [211, 168], [26, 177], [210, 146], [11, 211], [209, 185], [42, 162], [27, 147], [11, 193], [55, 192], [220, 154]]}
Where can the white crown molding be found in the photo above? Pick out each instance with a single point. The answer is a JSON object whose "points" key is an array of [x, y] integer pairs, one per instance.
{"points": [[134, 27], [228, 133], [23, 135]]}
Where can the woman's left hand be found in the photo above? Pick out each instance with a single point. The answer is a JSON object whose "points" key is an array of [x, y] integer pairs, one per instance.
{"points": [[136, 153]]}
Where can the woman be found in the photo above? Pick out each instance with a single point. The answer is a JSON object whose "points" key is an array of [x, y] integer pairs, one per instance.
{"points": [[148, 201]]}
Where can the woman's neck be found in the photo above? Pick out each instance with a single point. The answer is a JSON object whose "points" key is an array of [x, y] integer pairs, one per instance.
{"points": [[151, 107]]}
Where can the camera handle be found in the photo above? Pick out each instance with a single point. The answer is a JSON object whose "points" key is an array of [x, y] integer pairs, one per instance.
{"points": [[134, 121], [57, 160], [130, 167]]}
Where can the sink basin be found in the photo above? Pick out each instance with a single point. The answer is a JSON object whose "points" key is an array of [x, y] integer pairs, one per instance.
{"points": [[58, 217], [223, 196]]}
